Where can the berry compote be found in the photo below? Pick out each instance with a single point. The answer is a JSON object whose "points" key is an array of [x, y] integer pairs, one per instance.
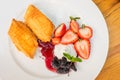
{"points": [[47, 52]]}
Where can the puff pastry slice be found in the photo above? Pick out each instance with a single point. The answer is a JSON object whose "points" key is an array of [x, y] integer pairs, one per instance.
{"points": [[23, 38], [39, 23]]}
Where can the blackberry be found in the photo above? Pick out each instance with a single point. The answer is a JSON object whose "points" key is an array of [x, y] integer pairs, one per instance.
{"points": [[73, 67], [62, 65], [55, 58], [64, 59], [68, 64], [56, 63], [63, 70], [63, 62]]}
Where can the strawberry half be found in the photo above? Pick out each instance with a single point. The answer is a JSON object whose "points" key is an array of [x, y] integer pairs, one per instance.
{"points": [[74, 26], [85, 32], [69, 37], [82, 48], [56, 41], [60, 30]]}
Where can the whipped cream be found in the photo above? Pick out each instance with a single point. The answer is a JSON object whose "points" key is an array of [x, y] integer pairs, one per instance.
{"points": [[60, 49]]}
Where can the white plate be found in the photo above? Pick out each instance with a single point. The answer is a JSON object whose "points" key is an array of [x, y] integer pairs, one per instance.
{"points": [[15, 66]]}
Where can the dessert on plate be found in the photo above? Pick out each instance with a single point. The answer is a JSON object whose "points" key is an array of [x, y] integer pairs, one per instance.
{"points": [[37, 31]]}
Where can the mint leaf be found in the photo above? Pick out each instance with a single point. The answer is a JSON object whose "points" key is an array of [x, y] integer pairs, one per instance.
{"points": [[77, 60], [72, 58], [67, 56]]}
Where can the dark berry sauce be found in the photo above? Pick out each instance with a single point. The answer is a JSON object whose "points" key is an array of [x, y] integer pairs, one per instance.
{"points": [[47, 52]]}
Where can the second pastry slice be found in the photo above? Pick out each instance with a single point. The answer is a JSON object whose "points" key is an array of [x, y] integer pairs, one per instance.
{"points": [[39, 23]]}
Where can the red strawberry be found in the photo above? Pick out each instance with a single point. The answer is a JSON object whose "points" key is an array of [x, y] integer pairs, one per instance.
{"points": [[82, 48], [85, 32], [69, 37], [55, 41], [74, 26], [60, 30]]}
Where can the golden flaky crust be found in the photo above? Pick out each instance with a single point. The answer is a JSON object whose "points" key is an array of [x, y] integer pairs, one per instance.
{"points": [[39, 23], [23, 38]]}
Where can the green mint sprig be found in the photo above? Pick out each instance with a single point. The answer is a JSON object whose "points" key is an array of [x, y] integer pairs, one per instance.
{"points": [[72, 58]]}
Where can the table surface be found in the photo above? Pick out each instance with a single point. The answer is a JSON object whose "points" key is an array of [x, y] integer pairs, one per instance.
{"points": [[111, 11]]}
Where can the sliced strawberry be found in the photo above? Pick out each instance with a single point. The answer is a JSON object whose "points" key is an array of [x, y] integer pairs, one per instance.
{"points": [[74, 26], [56, 41], [69, 37], [82, 48], [85, 32], [60, 30]]}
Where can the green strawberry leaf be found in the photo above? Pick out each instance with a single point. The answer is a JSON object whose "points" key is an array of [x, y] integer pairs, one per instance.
{"points": [[74, 18], [83, 26]]}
